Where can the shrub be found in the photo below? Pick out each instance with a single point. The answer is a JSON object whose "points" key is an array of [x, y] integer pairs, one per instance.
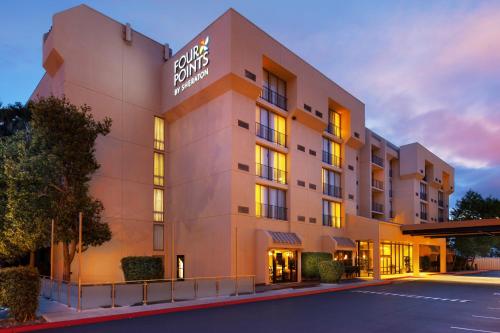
{"points": [[331, 271], [310, 262], [19, 290], [142, 268]]}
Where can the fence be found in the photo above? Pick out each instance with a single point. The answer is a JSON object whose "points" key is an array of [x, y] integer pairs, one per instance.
{"points": [[487, 263], [129, 293]]}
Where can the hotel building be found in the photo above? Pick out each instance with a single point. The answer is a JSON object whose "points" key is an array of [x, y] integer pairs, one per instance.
{"points": [[233, 156]]}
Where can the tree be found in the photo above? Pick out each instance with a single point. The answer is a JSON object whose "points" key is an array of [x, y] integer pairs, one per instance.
{"points": [[69, 134], [473, 206], [13, 118]]}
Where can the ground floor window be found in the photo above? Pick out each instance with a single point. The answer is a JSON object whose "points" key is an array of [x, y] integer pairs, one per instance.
{"points": [[180, 267], [429, 258], [345, 257], [282, 265], [364, 258], [395, 258]]}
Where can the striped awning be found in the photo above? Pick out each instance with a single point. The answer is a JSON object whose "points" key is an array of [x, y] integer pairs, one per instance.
{"points": [[285, 238], [334, 243]]}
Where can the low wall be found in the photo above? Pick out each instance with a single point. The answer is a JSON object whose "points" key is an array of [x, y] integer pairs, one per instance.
{"points": [[488, 263]]}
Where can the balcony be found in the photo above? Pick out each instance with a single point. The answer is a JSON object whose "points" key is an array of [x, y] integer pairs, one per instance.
{"points": [[332, 190], [378, 160], [440, 203], [423, 216], [268, 172], [440, 219], [271, 212], [377, 207], [423, 196], [332, 221], [274, 98], [270, 134], [331, 159], [378, 184], [334, 130]]}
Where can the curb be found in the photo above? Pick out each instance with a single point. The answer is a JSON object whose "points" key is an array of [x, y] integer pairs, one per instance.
{"points": [[94, 320]]}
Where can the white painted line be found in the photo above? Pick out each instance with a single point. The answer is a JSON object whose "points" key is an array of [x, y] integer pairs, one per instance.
{"points": [[411, 296], [486, 317], [493, 308], [471, 329], [496, 294]]}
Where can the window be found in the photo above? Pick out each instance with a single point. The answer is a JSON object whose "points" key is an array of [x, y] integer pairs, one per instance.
{"points": [[159, 139], [423, 191], [331, 152], [270, 202], [440, 215], [158, 205], [181, 267], [270, 126], [331, 183], [440, 199], [158, 168], [331, 214], [274, 90], [423, 211], [270, 164], [334, 123], [158, 237]]}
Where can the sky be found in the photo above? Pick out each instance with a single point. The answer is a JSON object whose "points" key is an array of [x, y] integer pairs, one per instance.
{"points": [[427, 71]]}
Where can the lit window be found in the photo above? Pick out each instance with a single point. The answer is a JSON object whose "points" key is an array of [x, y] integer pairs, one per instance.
{"points": [[331, 214], [158, 237], [331, 153], [158, 168], [158, 205], [270, 164], [180, 267], [270, 126], [159, 139], [334, 123], [270, 202]]}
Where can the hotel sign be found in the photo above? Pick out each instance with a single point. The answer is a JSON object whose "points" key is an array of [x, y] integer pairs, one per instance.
{"points": [[191, 67]]}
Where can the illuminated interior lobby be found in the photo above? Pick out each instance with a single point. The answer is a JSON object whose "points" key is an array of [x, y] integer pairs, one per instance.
{"points": [[233, 156]]}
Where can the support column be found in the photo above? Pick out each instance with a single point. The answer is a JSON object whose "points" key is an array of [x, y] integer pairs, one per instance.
{"points": [[376, 260], [416, 259], [442, 257], [299, 266]]}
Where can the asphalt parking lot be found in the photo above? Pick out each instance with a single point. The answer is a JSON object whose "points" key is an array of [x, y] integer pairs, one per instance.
{"points": [[404, 306]]}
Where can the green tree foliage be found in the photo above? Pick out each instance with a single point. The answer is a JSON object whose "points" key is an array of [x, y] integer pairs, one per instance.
{"points": [[472, 207], [13, 118]]}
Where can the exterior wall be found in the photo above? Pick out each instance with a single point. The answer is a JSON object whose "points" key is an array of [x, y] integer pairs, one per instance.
{"points": [[210, 197]]}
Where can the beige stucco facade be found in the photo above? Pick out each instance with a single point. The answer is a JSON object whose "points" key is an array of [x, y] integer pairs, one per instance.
{"points": [[212, 216]]}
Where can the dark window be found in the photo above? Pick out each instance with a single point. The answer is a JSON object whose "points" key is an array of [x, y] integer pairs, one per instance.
{"points": [[274, 90]]}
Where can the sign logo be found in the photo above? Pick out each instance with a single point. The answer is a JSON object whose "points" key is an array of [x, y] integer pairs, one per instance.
{"points": [[190, 67]]}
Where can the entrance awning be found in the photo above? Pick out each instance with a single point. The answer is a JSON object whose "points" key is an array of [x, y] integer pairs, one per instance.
{"points": [[279, 239], [454, 228], [335, 243]]}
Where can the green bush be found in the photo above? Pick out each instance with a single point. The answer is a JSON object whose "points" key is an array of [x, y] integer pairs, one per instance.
{"points": [[19, 290], [331, 271], [310, 262], [142, 268]]}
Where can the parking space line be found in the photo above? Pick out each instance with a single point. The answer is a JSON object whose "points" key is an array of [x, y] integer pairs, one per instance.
{"points": [[486, 317], [493, 308], [471, 329], [412, 296]]}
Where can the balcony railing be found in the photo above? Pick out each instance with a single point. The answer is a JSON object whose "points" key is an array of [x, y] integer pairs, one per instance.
{"points": [[423, 216], [268, 172], [378, 184], [377, 207], [332, 190], [440, 219], [332, 221], [271, 212], [274, 98], [269, 134], [423, 196], [378, 160], [440, 203], [333, 129], [332, 159]]}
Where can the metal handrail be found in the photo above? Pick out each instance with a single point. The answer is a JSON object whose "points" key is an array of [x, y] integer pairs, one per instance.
{"points": [[334, 130], [273, 212], [378, 160], [378, 184], [270, 134], [274, 98], [377, 207], [332, 190], [332, 221], [268, 172], [331, 159]]}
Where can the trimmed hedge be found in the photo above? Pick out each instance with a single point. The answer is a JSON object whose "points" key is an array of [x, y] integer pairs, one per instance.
{"points": [[331, 271], [142, 268], [310, 263], [19, 290]]}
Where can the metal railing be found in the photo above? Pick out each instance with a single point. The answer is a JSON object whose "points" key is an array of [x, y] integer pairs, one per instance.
{"points": [[423, 196], [332, 221], [378, 184], [331, 159], [271, 212], [332, 190], [268, 172], [423, 216], [334, 129], [440, 219], [378, 160], [274, 98], [270, 134], [377, 207], [441, 203], [128, 293]]}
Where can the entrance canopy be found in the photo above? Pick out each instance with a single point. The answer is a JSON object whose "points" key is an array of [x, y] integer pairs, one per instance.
{"points": [[278, 239], [333, 243], [455, 228]]}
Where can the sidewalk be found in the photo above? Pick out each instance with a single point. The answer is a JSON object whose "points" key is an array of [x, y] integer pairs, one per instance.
{"points": [[59, 315]]}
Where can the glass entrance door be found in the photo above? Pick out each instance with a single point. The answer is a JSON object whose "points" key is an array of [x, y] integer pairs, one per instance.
{"points": [[282, 266]]}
